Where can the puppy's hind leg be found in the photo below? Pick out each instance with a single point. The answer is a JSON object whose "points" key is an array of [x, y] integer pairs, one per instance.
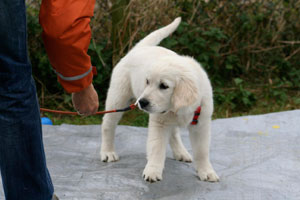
{"points": [[200, 140], [179, 151], [119, 95]]}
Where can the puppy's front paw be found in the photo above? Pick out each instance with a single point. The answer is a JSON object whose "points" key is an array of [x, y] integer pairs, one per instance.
{"points": [[152, 174], [208, 174], [109, 156], [183, 157]]}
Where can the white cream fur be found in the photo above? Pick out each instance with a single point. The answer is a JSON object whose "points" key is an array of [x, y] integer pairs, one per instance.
{"points": [[188, 88]]}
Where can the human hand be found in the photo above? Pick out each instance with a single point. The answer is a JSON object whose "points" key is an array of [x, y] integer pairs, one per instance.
{"points": [[86, 101]]}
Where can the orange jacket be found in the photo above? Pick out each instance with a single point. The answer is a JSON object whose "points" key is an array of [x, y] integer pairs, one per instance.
{"points": [[67, 35]]}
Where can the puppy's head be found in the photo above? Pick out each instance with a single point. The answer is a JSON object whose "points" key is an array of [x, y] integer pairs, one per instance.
{"points": [[169, 88], [156, 97]]}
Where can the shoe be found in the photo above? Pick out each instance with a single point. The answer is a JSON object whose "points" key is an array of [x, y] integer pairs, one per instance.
{"points": [[54, 197]]}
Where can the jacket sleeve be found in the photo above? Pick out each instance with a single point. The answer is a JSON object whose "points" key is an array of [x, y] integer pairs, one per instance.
{"points": [[66, 35]]}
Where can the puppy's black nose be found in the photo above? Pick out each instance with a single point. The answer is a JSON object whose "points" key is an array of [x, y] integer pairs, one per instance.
{"points": [[143, 103]]}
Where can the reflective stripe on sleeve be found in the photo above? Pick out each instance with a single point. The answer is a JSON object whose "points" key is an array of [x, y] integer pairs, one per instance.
{"points": [[74, 78]]}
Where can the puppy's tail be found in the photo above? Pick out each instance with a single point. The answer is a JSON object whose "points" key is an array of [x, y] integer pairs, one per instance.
{"points": [[157, 36]]}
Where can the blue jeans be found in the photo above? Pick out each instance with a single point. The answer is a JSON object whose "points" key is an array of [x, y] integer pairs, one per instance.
{"points": [[22, 157]]}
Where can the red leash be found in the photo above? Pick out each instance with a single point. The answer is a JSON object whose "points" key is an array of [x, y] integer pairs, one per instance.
{"points": [[131, 107]]}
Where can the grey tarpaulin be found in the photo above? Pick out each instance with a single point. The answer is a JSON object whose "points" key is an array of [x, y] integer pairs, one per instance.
{"points": [[256, 157]]}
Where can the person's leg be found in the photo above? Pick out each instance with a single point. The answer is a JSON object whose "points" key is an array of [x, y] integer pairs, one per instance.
{"points": [[22, 158]]}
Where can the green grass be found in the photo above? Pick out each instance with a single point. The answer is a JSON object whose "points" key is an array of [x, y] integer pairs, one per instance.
{"points": [[262, 107]]}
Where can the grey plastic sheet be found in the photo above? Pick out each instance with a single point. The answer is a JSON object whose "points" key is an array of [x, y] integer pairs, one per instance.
{"points": [[256, 157]]}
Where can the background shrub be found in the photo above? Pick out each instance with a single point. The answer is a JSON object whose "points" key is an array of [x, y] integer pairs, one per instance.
{"points": [[250, 49]]}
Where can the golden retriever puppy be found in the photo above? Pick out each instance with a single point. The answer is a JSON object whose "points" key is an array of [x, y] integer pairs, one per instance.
{"points": [[170, 88]]}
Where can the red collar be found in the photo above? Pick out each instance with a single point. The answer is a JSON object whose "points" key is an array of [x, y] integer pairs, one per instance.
{"points": [[196, 116]]}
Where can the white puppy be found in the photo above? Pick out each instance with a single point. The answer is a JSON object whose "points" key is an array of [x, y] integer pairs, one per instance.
{"points": [[170, 88]]}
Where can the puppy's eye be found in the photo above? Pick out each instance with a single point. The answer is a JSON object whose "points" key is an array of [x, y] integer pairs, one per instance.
{"points": [[147, 81], [163, 86]]}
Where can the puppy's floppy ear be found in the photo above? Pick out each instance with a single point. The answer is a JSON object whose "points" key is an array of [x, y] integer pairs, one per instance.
{"points": [[185, 93]]}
